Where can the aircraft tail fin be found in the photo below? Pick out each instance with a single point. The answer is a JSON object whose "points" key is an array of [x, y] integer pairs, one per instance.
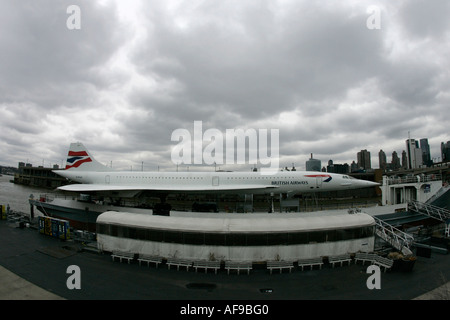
{"points": [[80, 159]]}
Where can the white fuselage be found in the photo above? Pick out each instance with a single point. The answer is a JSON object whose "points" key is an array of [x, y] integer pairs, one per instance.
{"points": [[240, 182]]}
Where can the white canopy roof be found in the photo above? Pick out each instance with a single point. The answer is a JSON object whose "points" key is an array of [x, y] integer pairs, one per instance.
{"points": [[254, 222]]}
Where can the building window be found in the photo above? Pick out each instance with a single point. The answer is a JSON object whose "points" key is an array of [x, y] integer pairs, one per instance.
{"points": [[235, 239]]}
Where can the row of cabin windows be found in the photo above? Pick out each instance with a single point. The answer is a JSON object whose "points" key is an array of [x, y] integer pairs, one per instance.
{"points": [[235, 239], [161, 178], [199, 178]]}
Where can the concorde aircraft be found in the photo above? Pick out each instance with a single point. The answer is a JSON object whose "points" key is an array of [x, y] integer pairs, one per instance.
{"points": [[94, 177]]}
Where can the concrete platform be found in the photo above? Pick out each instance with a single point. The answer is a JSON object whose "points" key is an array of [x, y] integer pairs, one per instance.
{"points": [[36, 275], [14, 287], [440, 293]]}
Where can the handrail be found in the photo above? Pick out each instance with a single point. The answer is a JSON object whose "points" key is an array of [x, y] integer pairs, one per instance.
{"points": [[430, 210], [397, 238], [413, 179]]}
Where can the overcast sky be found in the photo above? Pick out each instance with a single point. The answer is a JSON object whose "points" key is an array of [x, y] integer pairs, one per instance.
{"points": [[136, 71]]}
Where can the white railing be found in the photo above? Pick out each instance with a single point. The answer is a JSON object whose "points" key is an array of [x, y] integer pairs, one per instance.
{"points": [[430, 210], [413, 179], [395, 237]]}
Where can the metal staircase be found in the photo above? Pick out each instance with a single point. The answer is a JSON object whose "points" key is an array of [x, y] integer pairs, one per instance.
{"points": [[429, 210], [403, 241], [395, 237]]}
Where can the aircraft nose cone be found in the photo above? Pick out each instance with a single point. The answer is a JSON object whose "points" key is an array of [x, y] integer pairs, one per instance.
{"points": [[357, 183], [371, 184]]}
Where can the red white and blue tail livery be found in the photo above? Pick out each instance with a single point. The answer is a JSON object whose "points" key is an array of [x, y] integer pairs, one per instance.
{"points": [[79, 158], [76, 159]]}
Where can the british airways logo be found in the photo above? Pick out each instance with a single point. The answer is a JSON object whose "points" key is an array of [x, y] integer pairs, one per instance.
{"points": [[290, 182], [320, 175], [77, 158]]}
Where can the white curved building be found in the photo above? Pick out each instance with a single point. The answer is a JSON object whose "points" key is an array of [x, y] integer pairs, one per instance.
{"points": [[237, 237]]}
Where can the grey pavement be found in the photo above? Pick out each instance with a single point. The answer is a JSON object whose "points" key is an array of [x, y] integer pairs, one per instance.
{"points": [[34, 266], [14, 287]]}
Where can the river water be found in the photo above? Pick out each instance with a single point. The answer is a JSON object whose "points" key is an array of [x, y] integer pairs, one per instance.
{"points": [[17, 195]]}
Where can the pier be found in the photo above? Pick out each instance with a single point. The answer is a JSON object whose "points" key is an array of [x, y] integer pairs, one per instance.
{"points": [[39, 177]]}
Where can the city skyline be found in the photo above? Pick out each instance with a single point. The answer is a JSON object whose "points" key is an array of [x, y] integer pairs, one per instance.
{"points": [[314, 164], [395, 163]]}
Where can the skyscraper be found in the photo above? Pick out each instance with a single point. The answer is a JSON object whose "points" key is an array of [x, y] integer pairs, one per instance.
{"points": [[353, 167], [382, 159], [413, 154], [445, 151], [426, 155], [363, 158], [313, 164], [395, 163], [404, 160]]}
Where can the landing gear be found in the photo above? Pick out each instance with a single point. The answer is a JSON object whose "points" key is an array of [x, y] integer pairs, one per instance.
{"points": [[271, 208], [163, 208]]}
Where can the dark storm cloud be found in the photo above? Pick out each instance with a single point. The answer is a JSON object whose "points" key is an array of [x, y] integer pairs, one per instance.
{"points": [[47, 63], [46, 69], [301, 55], [232, 66]]}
